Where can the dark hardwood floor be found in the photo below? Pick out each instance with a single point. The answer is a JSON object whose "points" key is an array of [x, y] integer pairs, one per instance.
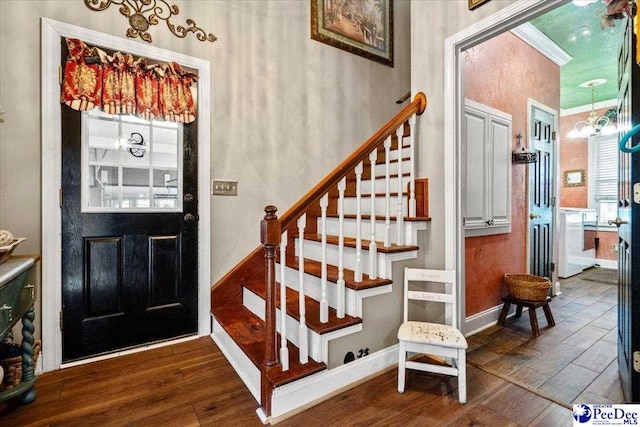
{"points": [[513, 379], [191, 384]]}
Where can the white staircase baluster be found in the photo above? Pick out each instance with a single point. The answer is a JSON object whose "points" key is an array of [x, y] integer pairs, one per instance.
{"points": [[302, 330], [373, 249], [400, 215], [340, 285], [412, 178], [284, 350], [358, 269], [324, 305], [387, 192]]}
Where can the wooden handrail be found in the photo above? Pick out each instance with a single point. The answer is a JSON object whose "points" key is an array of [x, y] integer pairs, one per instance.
{"points": [[417, 106], [249, 267]]}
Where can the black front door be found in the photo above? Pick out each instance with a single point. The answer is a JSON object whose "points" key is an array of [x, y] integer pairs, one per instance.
{"points": [[628, 221], [129, 232]]}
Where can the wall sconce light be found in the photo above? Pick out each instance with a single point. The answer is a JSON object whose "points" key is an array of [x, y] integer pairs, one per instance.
{"points": [[157, 10], [523, 155]]}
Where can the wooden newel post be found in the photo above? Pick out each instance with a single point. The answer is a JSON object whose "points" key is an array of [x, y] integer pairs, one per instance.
{"points": [[270, 237]]}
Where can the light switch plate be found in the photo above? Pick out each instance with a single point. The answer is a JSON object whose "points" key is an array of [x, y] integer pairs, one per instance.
{"points": [[222, 187], [636, 192]]}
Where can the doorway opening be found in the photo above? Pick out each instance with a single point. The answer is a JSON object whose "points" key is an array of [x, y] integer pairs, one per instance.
{"points": [[455, 49]]}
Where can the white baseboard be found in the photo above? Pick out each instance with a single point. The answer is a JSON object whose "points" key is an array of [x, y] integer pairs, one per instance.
{"points": [[295, 397], [607, 263], [485, 319]]}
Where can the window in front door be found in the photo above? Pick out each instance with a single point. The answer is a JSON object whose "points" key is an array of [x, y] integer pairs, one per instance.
{"points": [[130, 164]]}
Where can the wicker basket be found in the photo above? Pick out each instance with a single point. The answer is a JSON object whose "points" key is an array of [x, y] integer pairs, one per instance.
{"points": [[527, 286], [6, 251], [13, 368]]}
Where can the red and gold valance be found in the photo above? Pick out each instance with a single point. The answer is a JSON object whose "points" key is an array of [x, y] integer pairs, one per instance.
{"points": [[118, 84]]}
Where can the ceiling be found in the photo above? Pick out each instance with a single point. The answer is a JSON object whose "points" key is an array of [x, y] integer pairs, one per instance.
{"points": [[577, 30]]}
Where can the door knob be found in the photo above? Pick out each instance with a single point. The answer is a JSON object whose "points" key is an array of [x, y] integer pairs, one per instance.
{"points": [[189, 218], [534, 216], [618, 222]]}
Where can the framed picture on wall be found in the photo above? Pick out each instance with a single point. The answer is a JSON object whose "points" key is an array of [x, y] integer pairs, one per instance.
{"points": [[574, 178], [361, 27], [475, 3]]}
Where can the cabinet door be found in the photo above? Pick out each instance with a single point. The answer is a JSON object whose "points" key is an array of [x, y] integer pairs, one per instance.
{"points": [[476, 138], [500, 196], [488, 169]]}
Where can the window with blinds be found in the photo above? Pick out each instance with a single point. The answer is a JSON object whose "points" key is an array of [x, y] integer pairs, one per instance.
{"points": [[603, 177], [606, 169]]}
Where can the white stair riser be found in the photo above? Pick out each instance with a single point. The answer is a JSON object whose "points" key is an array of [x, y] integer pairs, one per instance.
{"points": [[241, 363], [381, 185], [393, 154], [318, 344], [313, 250], [351, 205], [256, 305], [313, 289], [381, 169], [350, 227]]}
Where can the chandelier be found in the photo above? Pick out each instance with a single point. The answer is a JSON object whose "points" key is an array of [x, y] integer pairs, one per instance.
{"points": [[594, 125]]}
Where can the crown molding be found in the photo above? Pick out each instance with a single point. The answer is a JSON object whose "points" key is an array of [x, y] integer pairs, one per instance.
{"points": [[543, 44], [608, 103]]}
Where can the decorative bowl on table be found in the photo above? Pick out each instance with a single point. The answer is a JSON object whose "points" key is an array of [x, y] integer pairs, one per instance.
{"points": [[7, 249]]}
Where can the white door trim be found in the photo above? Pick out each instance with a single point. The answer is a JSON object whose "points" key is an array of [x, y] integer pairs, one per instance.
{"points": [[52, 173], [511, 16]]}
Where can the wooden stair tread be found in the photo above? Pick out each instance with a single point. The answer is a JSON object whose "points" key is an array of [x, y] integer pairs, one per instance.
{"points": [[351, 243], [259, 288], [383, 161], [367, 196], [382, 217], [248, 331], [315, 269], [352, 178]]}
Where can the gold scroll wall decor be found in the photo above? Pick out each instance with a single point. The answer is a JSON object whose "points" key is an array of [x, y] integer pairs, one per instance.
{"points": [[144, 13]]}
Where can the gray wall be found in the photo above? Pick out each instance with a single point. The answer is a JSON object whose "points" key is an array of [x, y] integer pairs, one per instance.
{"points": [[285, 109]]}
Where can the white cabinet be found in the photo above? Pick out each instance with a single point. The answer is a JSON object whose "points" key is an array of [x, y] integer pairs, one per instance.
{"points": [[488, 171]]}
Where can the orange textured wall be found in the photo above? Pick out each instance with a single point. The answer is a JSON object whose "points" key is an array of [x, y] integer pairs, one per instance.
{"points": [[503, 73], [608, 239], [574, 154]]}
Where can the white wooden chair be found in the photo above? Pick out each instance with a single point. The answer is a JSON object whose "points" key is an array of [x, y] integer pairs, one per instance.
{"points": [[444, 340]]}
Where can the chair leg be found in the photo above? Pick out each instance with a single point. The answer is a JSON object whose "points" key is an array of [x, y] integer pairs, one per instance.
{"points": [[462, 375], [402, 359]]}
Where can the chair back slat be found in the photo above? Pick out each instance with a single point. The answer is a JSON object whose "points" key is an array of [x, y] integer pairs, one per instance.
{"points": [[448, 297], [430, 296]]}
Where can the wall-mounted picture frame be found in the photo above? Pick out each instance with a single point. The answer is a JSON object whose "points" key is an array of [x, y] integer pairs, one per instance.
{"points": [[361, 27], [475, 3], [574, 178]]}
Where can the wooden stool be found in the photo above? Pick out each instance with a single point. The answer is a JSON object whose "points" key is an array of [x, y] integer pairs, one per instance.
{"points": [[531, 305]]}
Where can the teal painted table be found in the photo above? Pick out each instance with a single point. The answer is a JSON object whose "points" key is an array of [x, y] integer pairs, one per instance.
{"points": [[17, 298]]}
